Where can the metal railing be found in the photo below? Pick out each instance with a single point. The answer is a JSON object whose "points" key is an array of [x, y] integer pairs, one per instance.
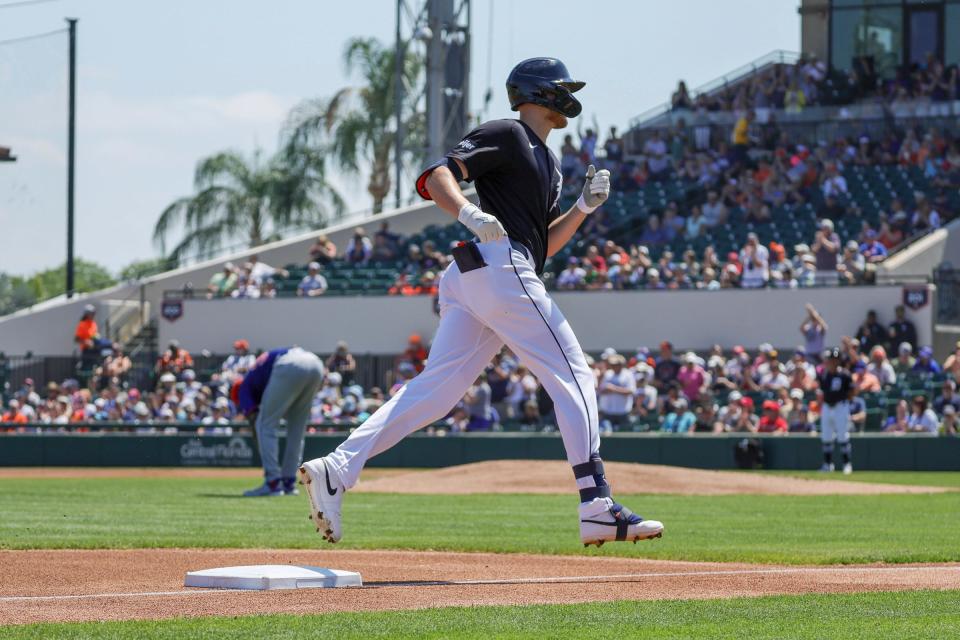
{"points": [[737, 75], [126, 316]]}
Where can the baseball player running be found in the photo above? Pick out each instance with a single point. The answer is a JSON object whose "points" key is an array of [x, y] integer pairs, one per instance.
{"points": [[281, 384], [836, 392], [492, 295]]}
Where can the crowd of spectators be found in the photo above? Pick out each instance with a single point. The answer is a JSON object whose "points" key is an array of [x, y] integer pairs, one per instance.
{"points": [[808, 83], [720, 390], [746, 183], [756, 173], [180, 394]]}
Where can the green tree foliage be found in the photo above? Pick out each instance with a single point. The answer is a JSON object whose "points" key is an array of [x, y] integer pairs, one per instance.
{"points": [[247, 200], [357, 126], [17, 292]]}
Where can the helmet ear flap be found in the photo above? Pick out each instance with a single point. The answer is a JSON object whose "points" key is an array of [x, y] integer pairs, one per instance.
{"points": [[559, 98]]}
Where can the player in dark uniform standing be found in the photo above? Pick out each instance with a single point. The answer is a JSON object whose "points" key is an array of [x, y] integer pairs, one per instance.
{"points": [[836, 393], [492, 295]]}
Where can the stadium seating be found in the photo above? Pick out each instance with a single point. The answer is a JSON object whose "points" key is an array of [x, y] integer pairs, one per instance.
{"points": [[870, 189]]}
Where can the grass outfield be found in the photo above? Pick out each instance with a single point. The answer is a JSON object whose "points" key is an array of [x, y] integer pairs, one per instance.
{"points": [[911, 614], [177, 512]]}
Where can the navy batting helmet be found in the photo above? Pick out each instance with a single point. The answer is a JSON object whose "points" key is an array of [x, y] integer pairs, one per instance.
{"points": [[546, 82]]}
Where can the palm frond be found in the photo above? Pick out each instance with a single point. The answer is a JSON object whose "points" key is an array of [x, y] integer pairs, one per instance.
{"points": [[169, 217], [226, 167]]}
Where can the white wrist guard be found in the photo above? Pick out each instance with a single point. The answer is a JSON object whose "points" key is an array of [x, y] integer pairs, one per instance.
{"points": [[584, 207], [467, 211]]}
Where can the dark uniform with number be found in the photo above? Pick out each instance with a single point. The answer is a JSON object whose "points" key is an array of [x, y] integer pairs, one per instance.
{"points": [[835, 413]]}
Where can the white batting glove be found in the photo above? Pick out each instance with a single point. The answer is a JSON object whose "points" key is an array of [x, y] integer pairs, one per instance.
{"points": [[596, 190], [485, 226]]}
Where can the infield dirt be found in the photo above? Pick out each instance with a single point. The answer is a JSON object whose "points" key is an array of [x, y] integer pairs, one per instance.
{"points": [[76, 585]]}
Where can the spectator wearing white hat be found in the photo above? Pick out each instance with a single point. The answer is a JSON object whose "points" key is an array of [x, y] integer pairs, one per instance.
{"points": [[852, 267], [692, 377], [645, 400], [615, 394], [797, 413], [573, 277], [615, 273], [947, 398], [806, 275], [313, 284], [653, 279], [826, 249], [948, 425], [905, 360], [755, 259], [679, 418]]}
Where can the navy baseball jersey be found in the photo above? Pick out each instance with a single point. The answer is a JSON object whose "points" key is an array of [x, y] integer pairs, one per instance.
{"points": [[518, 180], [835, 386]]}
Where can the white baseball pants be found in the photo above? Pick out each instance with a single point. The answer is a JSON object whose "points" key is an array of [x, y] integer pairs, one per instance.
{"points": [[835, 423], [480, 311]]}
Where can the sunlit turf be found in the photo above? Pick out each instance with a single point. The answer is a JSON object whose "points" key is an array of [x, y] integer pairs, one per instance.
{"points": [[923, 478], [916, 615], [189, 512]]}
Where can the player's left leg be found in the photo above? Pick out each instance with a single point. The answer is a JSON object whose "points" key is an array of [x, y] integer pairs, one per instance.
{"points": [[460, 351], [843, 436], [518, 307], [297, 417], [828, 432]]}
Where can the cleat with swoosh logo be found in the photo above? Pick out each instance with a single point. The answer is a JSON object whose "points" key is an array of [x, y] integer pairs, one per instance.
{"points": [[326, 496]]}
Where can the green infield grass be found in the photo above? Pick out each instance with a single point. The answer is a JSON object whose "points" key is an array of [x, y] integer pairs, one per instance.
{"points": [[188, 512], [910, 614], [920, 478]]}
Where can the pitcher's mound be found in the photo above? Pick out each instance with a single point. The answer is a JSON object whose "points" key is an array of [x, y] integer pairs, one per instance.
{"points": [[549, 476]]}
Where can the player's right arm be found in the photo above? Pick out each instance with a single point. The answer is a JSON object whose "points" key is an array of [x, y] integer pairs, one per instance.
{"points": [[484, 150], [446, 193]]}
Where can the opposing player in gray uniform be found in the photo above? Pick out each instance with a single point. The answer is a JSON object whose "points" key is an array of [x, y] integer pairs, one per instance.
{"points": [[280, 385], [492, 295]]}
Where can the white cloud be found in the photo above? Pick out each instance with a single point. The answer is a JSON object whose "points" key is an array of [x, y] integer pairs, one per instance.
{"points": [[106, 113]]}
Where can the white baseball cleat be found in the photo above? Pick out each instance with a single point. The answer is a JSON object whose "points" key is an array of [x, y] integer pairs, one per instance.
{"points": [[602, 519], [847, 469], [326, 495], [826, 467]]}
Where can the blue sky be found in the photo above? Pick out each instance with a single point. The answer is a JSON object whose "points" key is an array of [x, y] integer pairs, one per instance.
{"points": [[163, 84]]}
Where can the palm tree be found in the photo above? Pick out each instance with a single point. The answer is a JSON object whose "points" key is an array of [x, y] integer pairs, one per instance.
{"points": [[248, 200], [358, 124]]}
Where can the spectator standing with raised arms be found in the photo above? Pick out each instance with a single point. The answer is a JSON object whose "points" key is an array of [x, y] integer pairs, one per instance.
{"points": [[814, 331]]}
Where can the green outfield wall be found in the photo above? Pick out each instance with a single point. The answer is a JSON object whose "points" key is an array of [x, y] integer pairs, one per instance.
{"points": [[707, 451]]}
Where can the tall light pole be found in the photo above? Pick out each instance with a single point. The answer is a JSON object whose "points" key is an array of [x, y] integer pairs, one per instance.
{"points": [[441, 29], [71, 149]]}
